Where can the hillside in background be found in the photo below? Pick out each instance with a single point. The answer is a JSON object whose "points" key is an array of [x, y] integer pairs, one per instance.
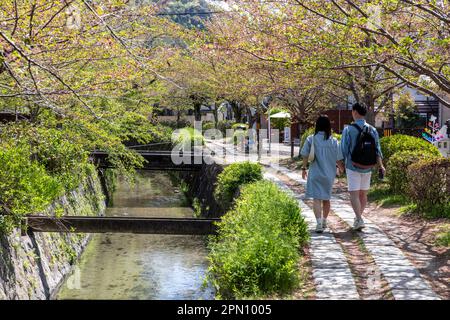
{"points": [[189, 13]]}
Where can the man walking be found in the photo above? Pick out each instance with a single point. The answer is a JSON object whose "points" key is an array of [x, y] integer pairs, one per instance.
{"points": [[361, 152]]}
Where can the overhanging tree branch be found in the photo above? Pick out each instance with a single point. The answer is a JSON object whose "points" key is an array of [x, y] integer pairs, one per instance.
{"points": [[127, 49], [51, 72]]}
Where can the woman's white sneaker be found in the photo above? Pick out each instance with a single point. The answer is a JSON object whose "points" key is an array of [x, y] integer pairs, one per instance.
{"points": [[319, 226], [358, 225]]}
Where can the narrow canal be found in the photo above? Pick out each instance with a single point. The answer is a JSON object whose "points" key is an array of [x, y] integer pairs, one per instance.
{"points": [[129, 266]]}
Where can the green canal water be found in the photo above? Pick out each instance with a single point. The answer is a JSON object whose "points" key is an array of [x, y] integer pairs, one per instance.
{"points": [[153, 267]]}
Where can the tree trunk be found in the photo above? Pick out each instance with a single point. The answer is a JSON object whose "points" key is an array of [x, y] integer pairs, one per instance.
{"points": [[370, 117], [251, 119], [370, 104], [216, 115], [258, 128], [178, 118], [197, 113], [236, 110]]}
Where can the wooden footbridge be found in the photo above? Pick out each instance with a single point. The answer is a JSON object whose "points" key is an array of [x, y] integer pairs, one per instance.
{"points": [[157, 160], [137, 225]]}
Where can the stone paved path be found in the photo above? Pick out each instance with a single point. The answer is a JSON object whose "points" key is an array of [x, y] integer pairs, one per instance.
{"points": [[331, 271], [332, 275], [404, 279]]}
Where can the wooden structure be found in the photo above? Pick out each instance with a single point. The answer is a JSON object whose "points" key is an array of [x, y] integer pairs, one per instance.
{"points": [[139, 225]]}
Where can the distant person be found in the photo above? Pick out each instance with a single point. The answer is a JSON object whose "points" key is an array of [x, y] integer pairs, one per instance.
{"points": [[361, 152], [322, 170]]}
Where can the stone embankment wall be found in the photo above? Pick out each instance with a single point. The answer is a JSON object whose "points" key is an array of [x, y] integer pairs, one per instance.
{"points": [[33, 266], [201, 186]]}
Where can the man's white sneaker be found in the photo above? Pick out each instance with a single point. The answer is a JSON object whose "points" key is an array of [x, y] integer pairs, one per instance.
{"points": [[324, 224], [358, 225], [319, 226]]}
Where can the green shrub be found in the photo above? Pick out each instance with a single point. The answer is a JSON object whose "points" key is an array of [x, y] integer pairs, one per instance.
{"points": [[60, 153], [237, 125], [138, 129], [398, 142], [174, 124], [397, 172], [443, 236], [206, 125], [232, 177], [163, 134], [429, 186], [257, 247], [188, 135], [25, 186]]}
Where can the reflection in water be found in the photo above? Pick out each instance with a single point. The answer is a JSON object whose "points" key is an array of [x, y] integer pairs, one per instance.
{"points": [[128, 266]]}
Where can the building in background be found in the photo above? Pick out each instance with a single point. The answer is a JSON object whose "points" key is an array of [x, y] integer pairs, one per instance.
{"points": [[207, 114]]}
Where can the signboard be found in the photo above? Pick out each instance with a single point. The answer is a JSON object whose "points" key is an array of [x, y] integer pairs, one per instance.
{"points": [[444, 147], [437, 136], [287, 135]]}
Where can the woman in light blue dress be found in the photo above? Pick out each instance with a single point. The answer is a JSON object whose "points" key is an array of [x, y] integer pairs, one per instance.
{"points": [[322, 171]]}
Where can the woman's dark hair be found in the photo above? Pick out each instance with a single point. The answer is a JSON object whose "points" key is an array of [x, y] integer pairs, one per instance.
{"points": [[360, 108], [323, 124]]}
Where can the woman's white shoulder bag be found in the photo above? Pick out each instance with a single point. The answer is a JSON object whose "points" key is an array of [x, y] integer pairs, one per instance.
{"points": [[312, 154]]}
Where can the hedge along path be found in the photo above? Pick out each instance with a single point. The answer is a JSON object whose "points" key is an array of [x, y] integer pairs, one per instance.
{"points": [[404, 279], [331, 272]]}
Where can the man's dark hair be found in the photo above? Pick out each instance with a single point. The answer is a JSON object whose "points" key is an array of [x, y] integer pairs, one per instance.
{"points": [[323, 124], [360, 108]]}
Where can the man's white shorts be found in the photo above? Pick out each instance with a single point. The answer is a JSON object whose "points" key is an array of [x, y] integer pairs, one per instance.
{"points": [[358, 181]]}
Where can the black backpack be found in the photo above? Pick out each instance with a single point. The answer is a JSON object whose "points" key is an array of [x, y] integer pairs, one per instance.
{"points": [[364, 155]]}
